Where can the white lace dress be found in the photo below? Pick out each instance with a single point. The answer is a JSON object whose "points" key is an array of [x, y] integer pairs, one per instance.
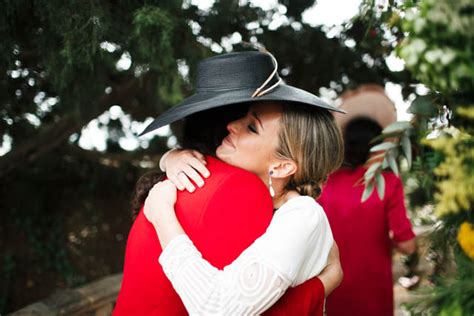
{"points": [[294, 249]]}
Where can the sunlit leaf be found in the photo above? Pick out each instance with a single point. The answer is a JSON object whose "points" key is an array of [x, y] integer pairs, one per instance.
{"points": [[369, 188], [370, 172], [392, 162], [377, 157], [384, 136], [383, 146], [397, 126], [406, 145], [380, 183]]}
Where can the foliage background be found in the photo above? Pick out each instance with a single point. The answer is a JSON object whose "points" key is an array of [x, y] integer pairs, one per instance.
{"points": [[438, 49]]}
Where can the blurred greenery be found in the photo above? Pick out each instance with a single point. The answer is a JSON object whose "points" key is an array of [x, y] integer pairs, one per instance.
{"points": [[65, 208], [438, 50]]}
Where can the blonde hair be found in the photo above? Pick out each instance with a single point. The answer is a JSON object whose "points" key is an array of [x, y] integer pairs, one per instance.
{"points": [[312, 139]]}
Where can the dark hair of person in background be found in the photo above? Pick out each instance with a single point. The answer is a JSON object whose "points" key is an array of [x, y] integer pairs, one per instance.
{"points": [[358, 135], [204, 132]]}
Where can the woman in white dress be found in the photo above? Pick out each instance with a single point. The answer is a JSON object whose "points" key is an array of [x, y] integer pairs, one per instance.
{"points": [[292, 149]]}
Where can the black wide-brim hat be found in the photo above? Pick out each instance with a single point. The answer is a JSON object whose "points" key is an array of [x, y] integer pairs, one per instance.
{"points": [[233, 78]]}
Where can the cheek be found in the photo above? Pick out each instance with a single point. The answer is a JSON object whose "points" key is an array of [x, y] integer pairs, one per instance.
{"points": [[253, 155]]}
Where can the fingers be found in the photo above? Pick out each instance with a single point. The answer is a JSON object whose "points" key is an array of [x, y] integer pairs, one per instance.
{"points": [[161, 198], [185, 182], [198, 165], [199, 156], [176, 181], [159, 186], [186, 175], [191, 169], [194, 175], [186, 166]]}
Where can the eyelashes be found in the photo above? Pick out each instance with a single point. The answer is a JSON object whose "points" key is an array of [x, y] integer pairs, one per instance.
{"points": [[252, 128]]}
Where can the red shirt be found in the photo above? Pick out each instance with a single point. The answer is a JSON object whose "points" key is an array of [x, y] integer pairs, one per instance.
{"points": [[222, 218], [361, 231]]}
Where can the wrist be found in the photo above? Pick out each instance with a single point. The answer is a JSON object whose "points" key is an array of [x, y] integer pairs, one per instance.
{"points": [[164, 215], [162, 163]]}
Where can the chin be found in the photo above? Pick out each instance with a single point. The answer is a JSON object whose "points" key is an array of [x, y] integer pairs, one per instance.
{"points": [[225, 156], [220, 153]]}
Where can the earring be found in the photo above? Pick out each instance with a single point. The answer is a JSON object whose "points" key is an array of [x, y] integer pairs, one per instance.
{"points": [[270, 187]]}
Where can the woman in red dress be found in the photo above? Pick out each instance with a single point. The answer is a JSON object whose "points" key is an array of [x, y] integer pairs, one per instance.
{"points": [[366, 232]]}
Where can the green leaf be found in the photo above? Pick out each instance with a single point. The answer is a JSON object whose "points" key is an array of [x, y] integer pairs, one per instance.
{"points": [[380, 183], [424, 106], [383, 146], [392, 162], [397, 127], [384, 136], [370, 172], [384, 163], [406, 145], [369, 188]]}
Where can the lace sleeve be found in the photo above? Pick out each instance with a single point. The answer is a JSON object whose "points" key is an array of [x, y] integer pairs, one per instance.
{"points": [[247, 286]]}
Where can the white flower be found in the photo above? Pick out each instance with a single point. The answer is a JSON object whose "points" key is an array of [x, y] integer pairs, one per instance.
{"points": [[433, 55], [419, 24], [411, 15], [409, 55], [448, 56], [424, 68], [418, 45]]}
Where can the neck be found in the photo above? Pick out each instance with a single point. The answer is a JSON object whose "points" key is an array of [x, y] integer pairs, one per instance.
{"points": [[282, 197]]}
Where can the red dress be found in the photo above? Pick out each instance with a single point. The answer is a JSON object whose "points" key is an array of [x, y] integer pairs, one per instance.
{"points": [[361, 231], [222, 218]]}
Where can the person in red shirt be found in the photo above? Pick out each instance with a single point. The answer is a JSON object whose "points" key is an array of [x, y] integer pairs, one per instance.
{"points": [[366, 232]]}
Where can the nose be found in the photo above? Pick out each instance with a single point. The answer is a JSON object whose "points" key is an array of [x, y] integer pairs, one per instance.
{"points": [[232, 127]]}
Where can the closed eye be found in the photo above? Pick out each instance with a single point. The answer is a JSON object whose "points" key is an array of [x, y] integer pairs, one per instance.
{"points": [[252, 128]]}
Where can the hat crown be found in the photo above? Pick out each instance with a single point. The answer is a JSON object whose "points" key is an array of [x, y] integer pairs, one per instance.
{"points": [[242, 70]]}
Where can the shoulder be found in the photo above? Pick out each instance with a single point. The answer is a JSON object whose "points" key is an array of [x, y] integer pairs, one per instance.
{"points": [[302, 205], [297, 239], [391, 177], [393, 183], [301, 212], [226, 177], [241, 193]]}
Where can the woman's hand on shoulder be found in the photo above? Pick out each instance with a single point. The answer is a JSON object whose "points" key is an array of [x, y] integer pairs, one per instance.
{"points": [[160, 199], [185, 165]]}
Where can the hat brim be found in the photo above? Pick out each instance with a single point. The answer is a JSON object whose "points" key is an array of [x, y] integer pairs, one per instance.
{"points": [[212, 99]]}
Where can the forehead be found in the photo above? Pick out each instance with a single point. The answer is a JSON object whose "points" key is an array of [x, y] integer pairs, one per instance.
{"points": [[267, 109]]}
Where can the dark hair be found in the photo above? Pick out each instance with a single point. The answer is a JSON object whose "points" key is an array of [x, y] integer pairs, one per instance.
{"points": [[202, 131], [358, 135], [142, 187]]}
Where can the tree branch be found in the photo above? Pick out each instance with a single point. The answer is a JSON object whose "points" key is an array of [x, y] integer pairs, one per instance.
{"points": [[116, 159], [55, 134]]}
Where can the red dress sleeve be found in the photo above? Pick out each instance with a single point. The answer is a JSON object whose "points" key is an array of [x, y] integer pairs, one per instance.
{"points": [[398, 221]]}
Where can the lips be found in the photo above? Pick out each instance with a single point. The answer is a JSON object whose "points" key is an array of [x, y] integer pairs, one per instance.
{"points": [[228, 141]]}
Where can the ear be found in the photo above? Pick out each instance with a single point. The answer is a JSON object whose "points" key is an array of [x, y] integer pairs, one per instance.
{"points": [[283, 168]]}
